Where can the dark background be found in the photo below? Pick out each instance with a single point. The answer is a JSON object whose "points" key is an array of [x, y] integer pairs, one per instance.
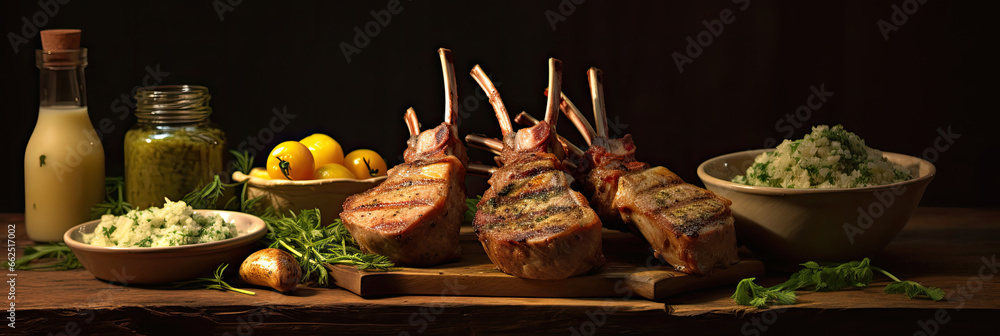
{"points": [[936, 71]]}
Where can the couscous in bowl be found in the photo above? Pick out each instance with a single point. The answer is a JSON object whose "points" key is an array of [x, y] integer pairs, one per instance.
{"points": [[787, 226]]}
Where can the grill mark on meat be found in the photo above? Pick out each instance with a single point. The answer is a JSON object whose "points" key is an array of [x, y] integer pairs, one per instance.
{"points": [[532, 197], [376, 205], [673, 195], [688, 208], [517, 220], [690, 218], [662, 181], [541, 195], [410, 183], [532, 172]]}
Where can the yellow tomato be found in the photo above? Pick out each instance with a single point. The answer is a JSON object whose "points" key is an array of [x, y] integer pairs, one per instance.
{"points": [[261, 173], [365, 163], [290, 160], [324, 149], [333, 170]]}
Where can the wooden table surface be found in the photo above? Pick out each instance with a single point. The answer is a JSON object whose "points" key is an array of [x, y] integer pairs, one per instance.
{"points": [[954, 249]]}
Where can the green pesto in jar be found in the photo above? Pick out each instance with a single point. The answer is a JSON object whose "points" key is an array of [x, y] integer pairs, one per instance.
{"points": [[173, 149]]}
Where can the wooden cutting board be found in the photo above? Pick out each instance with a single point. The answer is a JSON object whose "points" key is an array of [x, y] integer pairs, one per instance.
{"points": [[630, 271]]}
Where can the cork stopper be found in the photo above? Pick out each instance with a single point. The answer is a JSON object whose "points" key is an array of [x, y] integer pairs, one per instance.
{"points": [[61, 48], [60, 39]]}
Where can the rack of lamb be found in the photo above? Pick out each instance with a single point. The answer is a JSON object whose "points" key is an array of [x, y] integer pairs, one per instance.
{"points": [[689, 227], [414, 216], [530, 222]]}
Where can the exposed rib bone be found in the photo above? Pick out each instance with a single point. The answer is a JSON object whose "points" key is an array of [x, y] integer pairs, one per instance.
{"points": [[577, 117], [596, 77], [526, 119], [555, 84], [484, 143], [411, 122], [491, 91], [481, 169], [450, 91]]}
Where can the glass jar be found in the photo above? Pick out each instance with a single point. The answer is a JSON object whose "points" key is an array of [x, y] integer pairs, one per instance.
{"points": [[172, 149]]}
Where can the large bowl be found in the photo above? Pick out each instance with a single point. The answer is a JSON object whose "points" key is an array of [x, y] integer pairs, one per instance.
{"points": [[785, 227], [327, 195], [159, 265]]}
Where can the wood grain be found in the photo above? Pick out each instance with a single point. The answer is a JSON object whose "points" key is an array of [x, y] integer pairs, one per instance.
{"points": [[940, 247], [630, 270]]}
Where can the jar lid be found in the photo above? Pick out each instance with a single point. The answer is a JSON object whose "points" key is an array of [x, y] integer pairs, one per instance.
{"points": [[172, 103]]}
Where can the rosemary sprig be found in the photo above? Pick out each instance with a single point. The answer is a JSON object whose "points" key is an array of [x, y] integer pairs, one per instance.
{"points": [[64, 259], [216, 282], [314, 244], [114, 199], [207, 197]]}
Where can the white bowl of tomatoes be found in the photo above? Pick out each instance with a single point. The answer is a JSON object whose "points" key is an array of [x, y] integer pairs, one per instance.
{"points": [[313, 174]]}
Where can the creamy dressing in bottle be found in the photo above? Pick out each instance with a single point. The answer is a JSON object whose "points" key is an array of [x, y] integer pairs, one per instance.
{"points": [[64, 160]]}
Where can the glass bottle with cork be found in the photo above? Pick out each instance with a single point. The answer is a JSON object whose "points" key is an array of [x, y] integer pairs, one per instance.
{"points": [[64, 159]]}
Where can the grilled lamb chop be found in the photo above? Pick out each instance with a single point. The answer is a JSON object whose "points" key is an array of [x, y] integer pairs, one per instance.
{"points": [[689, 227], [414, 216], [531, 224]]}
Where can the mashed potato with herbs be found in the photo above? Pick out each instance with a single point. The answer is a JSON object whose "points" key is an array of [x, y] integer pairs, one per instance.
{"points": [[172, 225], [829, 157]]}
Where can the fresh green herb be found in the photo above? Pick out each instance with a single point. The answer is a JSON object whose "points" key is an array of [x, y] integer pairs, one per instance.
{"points": [[108, 231], [913, 289], [216, 282], [41, 160], [33, 258], [207, 197], [314, 244], [471, 208], [749, 293], [831, 278], [855, 274], [114, 199]]}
